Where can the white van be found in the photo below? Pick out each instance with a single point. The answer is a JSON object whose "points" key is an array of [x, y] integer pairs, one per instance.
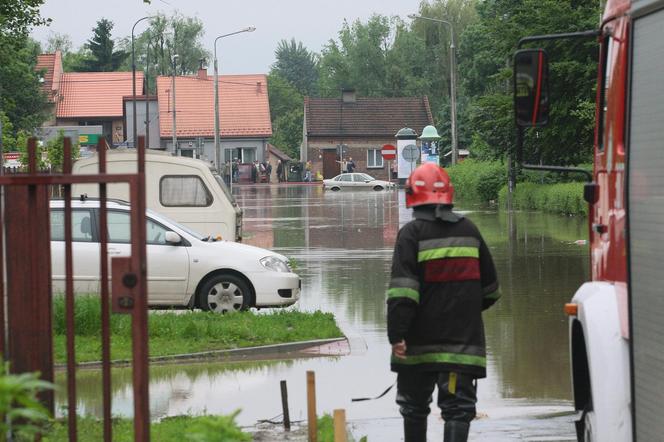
{"points": [[186, 190]]}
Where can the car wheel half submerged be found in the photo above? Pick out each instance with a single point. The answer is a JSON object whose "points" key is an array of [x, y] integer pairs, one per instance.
{"points": [[335, 189], [224, 293], [377, 188]]}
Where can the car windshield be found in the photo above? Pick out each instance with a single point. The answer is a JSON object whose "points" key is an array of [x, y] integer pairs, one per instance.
{"points": [[160, 217]]}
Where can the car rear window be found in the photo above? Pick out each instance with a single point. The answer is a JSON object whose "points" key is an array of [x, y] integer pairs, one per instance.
{"points": [[183, 191]]}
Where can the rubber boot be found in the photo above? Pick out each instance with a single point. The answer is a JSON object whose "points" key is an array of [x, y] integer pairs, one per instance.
{"points": [[415, 430], [456, 431]]}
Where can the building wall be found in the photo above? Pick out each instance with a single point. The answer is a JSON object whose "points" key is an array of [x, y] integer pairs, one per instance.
{"points": [[140, 121], [203, 148], [356, 148]]}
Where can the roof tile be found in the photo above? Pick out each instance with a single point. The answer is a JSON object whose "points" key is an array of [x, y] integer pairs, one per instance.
{"points": [[95, 94], [244, 108], [366, 117]]}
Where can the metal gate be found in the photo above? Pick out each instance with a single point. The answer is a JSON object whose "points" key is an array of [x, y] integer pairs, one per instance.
{"points": [[27, 334]]}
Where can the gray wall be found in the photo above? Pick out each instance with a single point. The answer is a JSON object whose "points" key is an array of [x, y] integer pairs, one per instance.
{"points": [[140, 120]]}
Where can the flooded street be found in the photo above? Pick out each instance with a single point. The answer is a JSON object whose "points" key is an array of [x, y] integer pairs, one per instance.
{"points": [[342, 243]]}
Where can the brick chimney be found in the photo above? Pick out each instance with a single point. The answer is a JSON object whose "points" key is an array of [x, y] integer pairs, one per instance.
{"points": [[202, 70]]}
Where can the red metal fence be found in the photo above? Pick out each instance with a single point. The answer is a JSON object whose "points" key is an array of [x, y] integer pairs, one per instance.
{"points": [[27, 334]]}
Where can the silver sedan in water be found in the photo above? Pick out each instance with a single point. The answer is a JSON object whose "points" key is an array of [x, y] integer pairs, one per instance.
{"points": [[355, 181]]}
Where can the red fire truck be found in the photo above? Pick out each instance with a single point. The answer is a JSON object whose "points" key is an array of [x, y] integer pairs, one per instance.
{"points": [[616, 325]]}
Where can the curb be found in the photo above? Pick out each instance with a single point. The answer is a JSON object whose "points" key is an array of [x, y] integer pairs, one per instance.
{"points": [[235, 353]]}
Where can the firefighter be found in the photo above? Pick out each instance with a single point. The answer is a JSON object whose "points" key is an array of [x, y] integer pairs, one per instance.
{"points": [[443, 277]]}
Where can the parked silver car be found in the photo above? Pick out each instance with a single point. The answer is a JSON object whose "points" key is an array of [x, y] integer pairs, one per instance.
{"points": [[355, 181]]}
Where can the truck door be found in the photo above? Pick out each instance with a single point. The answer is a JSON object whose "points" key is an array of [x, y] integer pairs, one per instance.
{"points": [[645, 217]]}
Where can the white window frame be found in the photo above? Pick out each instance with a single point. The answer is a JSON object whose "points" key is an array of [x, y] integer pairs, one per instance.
{"points": [[376, 158]]}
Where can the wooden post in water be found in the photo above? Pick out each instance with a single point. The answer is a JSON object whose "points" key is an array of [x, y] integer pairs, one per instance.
{"points": [[312, 419], [284, 405], [340, 425]]}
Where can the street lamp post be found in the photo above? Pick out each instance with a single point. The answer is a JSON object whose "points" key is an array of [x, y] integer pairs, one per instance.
{"points": [[175, 136], [133, 79], [147, 94], [455, 147], [217, 135]]}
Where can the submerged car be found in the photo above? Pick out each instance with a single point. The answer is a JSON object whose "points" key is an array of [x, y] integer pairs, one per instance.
{"points": [[185, 268], [355, 181]]}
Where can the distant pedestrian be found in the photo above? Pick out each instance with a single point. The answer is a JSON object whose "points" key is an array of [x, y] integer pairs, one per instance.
{"points": [[268, 171], [307, 171], [254, 172], [227, 172], [280, 170], [235, 170], [350, 165], [443, 277]]}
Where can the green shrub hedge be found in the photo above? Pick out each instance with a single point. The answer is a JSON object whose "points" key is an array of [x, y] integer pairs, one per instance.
{"points": [[562, 198], [478, 180]]}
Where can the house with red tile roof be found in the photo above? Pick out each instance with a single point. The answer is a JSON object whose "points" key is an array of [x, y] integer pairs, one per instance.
{"points": [[96, 98], [338, 129], [50, 68], [86, 100], [244, 116]]}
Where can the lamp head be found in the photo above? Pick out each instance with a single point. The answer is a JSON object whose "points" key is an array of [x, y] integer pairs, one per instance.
{"points": [[413, 16], [249, 29]]}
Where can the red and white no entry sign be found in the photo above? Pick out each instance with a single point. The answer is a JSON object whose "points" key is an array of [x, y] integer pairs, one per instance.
{"points": [[388, 152]]}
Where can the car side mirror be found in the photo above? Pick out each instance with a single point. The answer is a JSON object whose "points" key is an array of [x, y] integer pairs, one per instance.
{"points": [[531, 88], [172, 238]]}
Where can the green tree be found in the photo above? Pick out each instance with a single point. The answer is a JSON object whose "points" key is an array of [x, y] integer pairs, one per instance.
{"points": [[55, 151], [18, 16], [297, 65], [59, 42], [167, 36], [486, 50], [286, 113], [22, 104], [21, 98], [358, 60], [102, 56]]}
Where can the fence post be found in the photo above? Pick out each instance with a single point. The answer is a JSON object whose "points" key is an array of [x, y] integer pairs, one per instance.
{"points": [[340, 425], [284, 405], [312, 419]]}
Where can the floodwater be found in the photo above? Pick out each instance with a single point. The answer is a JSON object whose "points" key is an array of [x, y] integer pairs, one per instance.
{"points": [[342, 243]]}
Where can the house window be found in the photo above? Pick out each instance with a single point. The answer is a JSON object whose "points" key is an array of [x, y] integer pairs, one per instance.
{"points": [[183, 191], [374, 159]]}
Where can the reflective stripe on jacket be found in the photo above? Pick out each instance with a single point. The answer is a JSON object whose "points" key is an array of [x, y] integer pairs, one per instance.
{"points": [[442, 278]]}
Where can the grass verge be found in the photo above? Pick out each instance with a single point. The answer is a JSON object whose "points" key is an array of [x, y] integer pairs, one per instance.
{"points": [[561, 198], [182, 332], [176, 429]]}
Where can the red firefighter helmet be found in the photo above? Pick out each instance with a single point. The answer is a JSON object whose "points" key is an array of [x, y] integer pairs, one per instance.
{"points": [[429, 184]]}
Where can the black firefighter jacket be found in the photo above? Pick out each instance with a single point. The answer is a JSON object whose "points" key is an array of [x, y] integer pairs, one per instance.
{"points": [[443, 277]]}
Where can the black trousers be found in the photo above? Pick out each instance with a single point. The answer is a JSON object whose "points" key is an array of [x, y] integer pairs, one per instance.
{"points": [[414, 390]]}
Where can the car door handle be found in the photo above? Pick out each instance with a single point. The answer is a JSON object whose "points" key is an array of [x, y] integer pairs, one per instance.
{"points": [[114, 251]]}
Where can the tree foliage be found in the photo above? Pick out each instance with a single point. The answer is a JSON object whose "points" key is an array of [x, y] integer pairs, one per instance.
{"points": [[286, 113], [102, 55], [167, 36], [486, 50], [18, 16], [21, 98], [297, 65]]}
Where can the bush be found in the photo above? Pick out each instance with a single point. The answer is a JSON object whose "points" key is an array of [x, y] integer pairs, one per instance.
{"points": [[562, 198], [478, 180]]}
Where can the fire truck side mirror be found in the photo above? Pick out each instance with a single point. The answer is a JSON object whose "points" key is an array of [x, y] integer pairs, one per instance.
{"points": [[591, 193], [531, 88]]}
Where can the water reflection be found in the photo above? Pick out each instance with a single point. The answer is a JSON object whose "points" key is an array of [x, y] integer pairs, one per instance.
{"points": [[343, 246]]}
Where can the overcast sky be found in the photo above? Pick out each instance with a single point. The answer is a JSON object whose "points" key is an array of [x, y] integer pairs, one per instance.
{"points": [[313, 22]]}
